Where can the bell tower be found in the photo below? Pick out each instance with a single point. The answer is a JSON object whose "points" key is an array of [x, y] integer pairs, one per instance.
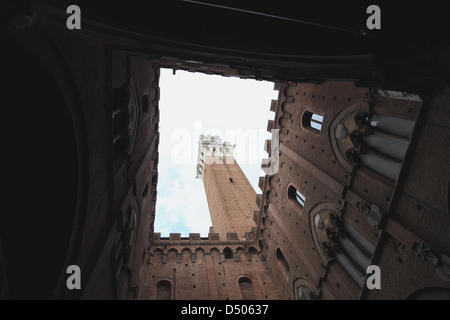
{"points": [[231, 197]]}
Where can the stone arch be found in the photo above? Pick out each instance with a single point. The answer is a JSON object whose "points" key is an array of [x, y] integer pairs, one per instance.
{"points": [[240, 254], [362, 106], [214, 250], [252, 253], [280, 121], [200, 249], [339, 241], [240, 250], [374, 142], [304, 290], [215, 255], [252, 250], [228, 253], [327, 206], [246, 286], [199, 254], [186, 250], [164, 289], [186, 255], [157, 255], [44, 78]]}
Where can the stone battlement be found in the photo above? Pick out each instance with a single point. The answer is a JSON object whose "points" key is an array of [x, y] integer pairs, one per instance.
{"points": [[176, 246], [212, 236]]}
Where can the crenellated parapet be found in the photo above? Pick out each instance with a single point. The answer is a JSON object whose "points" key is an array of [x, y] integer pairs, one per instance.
{"points": [[262, 200], [193, 243], [232, 238]]}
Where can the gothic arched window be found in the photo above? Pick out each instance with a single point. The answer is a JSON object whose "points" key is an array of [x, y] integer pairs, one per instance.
{"points": [[296, 196], [282, 261], [303, 293], [312, 121], [228, 253], [246, 287], [377, 142], [342, 242]]}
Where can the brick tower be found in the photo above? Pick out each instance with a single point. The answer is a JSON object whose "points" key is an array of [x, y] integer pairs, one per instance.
{"points": [[224, 265], [231, 198]]}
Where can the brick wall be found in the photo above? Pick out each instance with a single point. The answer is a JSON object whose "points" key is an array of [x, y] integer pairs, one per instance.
{"points": [[375, 207], [206, 269], [231, 198]]}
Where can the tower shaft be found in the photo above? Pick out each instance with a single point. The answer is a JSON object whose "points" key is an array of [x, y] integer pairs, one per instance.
{"points": [[231, 197]]}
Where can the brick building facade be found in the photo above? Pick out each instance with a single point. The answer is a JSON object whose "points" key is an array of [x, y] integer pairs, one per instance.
{"points": [[342, 200], [211, 268], [109, 109], [363, 176], [356, 188]]}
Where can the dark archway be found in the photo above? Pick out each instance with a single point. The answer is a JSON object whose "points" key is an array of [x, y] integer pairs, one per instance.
{"points": [[163, 290], [228, 253], [40, 154]]}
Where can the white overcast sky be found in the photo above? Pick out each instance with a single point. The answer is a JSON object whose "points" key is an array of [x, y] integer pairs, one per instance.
{"points": [[192, 104]]}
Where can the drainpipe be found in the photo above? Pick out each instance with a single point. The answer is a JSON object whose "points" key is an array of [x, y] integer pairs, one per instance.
{"points": [[174, 283]]}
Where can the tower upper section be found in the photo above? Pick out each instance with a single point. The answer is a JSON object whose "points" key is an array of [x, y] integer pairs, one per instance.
{"points": [[212, 149]]}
